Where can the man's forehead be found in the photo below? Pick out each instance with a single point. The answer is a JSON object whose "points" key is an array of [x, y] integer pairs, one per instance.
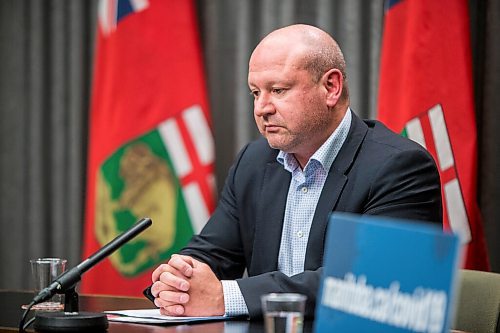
{"points": [[277, 55], [277, 74]]}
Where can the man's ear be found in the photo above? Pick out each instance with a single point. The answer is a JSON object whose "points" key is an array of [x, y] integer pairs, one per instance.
{"points": [[334, 83]]}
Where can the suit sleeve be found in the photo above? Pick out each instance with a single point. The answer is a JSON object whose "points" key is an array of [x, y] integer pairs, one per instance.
{"points": [[306, 283], [406, 186]]}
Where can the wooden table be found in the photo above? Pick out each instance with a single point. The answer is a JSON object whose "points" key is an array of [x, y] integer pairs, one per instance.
{"points": [[11, 312]]}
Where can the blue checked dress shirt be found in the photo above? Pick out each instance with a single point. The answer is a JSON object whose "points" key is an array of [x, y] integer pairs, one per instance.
{"points": [[303, 195]]}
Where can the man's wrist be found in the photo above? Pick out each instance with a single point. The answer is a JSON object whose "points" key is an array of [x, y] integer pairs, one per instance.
{"points": [[234, 303]]}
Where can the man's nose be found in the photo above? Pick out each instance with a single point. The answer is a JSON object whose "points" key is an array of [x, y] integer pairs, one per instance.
{"points": [[263, 106]]}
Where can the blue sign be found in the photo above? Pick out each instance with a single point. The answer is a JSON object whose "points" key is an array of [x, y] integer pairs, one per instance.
{"points": [[386, 275]]}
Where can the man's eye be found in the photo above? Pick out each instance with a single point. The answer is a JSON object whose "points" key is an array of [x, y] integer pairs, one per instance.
{"points": [[278, 91], [254, 93]]}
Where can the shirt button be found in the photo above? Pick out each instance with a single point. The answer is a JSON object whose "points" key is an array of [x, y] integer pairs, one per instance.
{"points": [[300, 234], [304, 189]]}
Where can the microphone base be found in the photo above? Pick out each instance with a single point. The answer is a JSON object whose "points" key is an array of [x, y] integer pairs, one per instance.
{"points": [[70, 322]]}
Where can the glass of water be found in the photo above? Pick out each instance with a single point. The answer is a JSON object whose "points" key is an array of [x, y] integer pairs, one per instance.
{"points": [[44, 272], [283, 313]]}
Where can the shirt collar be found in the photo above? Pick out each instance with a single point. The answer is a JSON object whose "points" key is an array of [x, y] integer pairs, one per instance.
{"points": [[328, 151]]}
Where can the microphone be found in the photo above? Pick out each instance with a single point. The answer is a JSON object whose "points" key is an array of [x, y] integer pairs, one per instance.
{"points": [[68, 279]]}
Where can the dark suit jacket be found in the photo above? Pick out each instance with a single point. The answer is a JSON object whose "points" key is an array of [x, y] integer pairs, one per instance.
{"points": [[376, 172]]}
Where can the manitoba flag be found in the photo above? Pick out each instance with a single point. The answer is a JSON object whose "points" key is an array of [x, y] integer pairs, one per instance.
{"points": [[426, 93], [151, 151]]}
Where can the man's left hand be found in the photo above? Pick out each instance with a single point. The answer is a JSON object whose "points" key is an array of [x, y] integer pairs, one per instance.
{"points": [[206, 297]]}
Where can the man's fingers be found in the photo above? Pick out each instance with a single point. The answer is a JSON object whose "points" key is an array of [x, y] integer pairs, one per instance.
{"points": [[177, 265], [173, 310], [158, 287], [183, 264], [157, 272], [174, 281], [169, 282], [167, 298]]}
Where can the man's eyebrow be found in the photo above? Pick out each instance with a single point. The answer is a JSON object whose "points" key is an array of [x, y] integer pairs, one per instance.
{"points": [[269, 83]]}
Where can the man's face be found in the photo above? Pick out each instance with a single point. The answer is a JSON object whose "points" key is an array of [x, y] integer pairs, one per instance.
{"points": [[289, 107]]}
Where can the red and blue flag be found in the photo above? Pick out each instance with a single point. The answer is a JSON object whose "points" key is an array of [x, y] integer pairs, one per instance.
{"points": [[151, 150], [426, 93]]}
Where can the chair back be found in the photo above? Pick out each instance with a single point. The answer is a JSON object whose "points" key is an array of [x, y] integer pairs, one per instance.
{"points": [[478, 302]]}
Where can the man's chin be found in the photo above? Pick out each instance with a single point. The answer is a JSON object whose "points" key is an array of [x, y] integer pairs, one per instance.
{"points": [[277, 145]]}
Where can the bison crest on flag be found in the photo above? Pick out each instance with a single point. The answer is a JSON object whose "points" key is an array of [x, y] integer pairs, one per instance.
{"points": [[143, 178]]}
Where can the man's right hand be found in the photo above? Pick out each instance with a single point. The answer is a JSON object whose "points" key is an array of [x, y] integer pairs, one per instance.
{"points": [[171, 283]]}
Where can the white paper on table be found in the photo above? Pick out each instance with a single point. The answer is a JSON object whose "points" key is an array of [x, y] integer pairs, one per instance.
{"points": [[153, 316]]}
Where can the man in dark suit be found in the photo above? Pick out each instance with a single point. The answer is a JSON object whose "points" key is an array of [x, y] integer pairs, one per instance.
{"points": [[316, 157]]}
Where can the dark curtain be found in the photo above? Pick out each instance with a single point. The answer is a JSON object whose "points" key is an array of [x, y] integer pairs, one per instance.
{"points": [[46, 52], [487, 75]]}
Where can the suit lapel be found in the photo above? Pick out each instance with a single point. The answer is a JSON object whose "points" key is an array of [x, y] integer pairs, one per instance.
{"points": [[332, 191], [269, 224]]}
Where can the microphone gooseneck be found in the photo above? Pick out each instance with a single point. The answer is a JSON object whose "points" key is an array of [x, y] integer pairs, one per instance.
{"points": [[71, 277]]}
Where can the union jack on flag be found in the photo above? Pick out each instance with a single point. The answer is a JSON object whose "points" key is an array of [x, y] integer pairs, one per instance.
{"points": [[112, 11]]}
